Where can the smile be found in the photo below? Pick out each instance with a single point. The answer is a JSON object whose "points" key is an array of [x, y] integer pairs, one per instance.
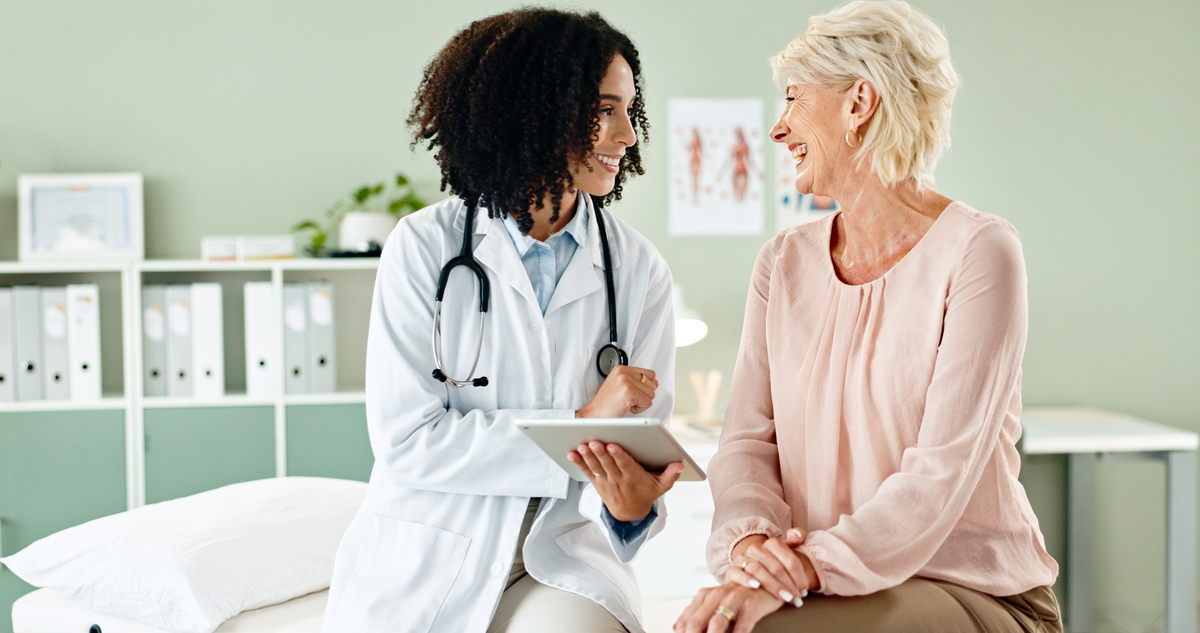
{"points": [[799, 152], [610, 164]]}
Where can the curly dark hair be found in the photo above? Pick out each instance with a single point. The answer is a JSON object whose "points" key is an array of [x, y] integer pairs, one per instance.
{"points": [[513, 100]]}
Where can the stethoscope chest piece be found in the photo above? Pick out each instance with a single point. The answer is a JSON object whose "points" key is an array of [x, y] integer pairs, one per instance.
{"points": [[610, 356]]}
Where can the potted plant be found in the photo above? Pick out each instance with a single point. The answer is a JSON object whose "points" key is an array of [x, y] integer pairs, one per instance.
{"points": [[363, 219]]}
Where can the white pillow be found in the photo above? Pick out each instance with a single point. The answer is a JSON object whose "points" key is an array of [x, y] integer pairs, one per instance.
{"points": [[189, 564]]}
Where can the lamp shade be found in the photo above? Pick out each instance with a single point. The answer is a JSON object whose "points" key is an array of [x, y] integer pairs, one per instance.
{"points": [[689, 327]]}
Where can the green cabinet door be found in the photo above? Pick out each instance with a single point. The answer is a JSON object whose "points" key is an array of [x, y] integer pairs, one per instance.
{"points": [[190, 450], [328, 441], [57, 469]]}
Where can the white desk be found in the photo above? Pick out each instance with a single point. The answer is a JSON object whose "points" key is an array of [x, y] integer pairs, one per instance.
{"points": [[1081, 434]]}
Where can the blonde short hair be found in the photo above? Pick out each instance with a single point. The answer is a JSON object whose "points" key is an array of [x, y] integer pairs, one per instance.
{"points": [[905, 55]]}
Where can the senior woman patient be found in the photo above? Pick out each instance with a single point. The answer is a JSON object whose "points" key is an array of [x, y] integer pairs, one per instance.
{"points": [[868, 454]]}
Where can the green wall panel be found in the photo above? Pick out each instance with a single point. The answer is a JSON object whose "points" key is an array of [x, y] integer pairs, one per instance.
{"points": [[193, 450], [11, 588], [329, 441], [57, 469]]}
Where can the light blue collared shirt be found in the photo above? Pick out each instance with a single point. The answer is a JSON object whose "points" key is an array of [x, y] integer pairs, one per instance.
{"points": [[545, 262]]}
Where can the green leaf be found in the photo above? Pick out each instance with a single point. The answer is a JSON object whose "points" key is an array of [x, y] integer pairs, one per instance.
{"points": [[362, 194], [401, 180], [307, 224], [416, 202]]}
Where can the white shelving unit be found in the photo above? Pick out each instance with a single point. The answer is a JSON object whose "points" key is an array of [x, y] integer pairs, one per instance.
{"points": [[353, 280], [116, 368]]}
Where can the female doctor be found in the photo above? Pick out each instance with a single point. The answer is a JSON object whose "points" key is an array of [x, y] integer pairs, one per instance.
{"points": [[467, 525]]}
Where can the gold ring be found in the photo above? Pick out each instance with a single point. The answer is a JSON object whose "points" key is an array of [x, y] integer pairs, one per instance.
{"points": [[725, 612], [643, 380]]}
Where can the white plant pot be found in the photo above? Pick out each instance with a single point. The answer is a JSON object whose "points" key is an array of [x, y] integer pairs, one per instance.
{"points": [[359, 227]]}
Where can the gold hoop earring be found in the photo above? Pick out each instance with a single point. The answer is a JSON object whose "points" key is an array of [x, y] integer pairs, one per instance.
{"points": [[849, 134]]}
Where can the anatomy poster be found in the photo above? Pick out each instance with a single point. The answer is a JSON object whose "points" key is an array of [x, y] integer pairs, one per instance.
{"points": [[716, 171], [792, 208]]}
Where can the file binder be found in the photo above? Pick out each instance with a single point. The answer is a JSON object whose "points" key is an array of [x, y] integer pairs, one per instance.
{"points": [[208, 341], [8, 381], [322, 372], [179, 341], [56, 375], [154, 340], [260, 312], [27, 308], [295, 338], [83, 340]]}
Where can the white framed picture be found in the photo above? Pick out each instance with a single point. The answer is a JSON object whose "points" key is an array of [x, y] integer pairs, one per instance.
{"points": [[714, 158], [70, 217]]}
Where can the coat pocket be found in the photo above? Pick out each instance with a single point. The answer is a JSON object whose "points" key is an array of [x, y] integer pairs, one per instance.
{"points": [[586, 542], [404, 572], [589, 545]]}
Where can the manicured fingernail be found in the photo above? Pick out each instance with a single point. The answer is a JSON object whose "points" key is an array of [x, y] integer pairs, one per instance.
{"points": [[803, 593], [787, 597], [797, 603], [754, 584]]}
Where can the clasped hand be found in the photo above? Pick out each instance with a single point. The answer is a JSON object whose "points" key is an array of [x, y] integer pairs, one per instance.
{"points": [[627, 489], [766, 574]]}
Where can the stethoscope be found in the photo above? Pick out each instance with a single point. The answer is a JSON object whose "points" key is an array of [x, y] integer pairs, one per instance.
{"points": [[609, 356]]}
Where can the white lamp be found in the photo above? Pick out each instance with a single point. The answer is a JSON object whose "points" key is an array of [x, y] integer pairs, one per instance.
{"points": [[689, 328]]}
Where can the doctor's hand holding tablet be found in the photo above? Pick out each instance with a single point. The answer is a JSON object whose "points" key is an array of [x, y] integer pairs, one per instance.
{"points": [[630, 461], [627, 488]]}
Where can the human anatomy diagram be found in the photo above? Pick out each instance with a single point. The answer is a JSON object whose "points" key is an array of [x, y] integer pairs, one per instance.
{"points": [[716, 177]]}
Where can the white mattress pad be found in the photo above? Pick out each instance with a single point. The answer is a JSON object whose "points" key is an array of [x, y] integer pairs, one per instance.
{"points": [[44, 611]]}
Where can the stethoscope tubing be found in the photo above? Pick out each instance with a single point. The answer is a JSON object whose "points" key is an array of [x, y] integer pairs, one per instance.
{"points": [[609, 356], [466, 257], [437, 317]]}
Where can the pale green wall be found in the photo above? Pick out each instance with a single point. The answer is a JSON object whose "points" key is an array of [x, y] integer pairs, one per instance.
{"points": [[1076, 121]]}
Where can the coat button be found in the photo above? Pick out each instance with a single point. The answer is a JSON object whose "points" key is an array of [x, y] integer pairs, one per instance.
{"points": [[535, 325], [497, 567]]}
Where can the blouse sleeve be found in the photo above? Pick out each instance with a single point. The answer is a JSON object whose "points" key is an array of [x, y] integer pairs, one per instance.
{"points": [[744, 474], [976, 377]]}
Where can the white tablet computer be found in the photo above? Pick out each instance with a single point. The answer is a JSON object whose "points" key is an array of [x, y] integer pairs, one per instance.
{"points": [[646, 439]]}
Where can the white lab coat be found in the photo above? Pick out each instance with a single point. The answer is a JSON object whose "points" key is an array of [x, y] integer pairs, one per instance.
{"points": [[431, 547]]}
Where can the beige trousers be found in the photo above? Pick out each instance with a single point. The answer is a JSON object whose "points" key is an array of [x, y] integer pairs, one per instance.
{"points": [[528, 606], [920, 605]]}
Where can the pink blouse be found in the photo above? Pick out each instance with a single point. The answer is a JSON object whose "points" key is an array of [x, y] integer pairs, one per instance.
{"points": [[882, 419]]}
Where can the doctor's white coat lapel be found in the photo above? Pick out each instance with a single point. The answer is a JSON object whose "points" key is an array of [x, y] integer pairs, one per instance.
{"points": [[585, 272], [494, 250]]}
